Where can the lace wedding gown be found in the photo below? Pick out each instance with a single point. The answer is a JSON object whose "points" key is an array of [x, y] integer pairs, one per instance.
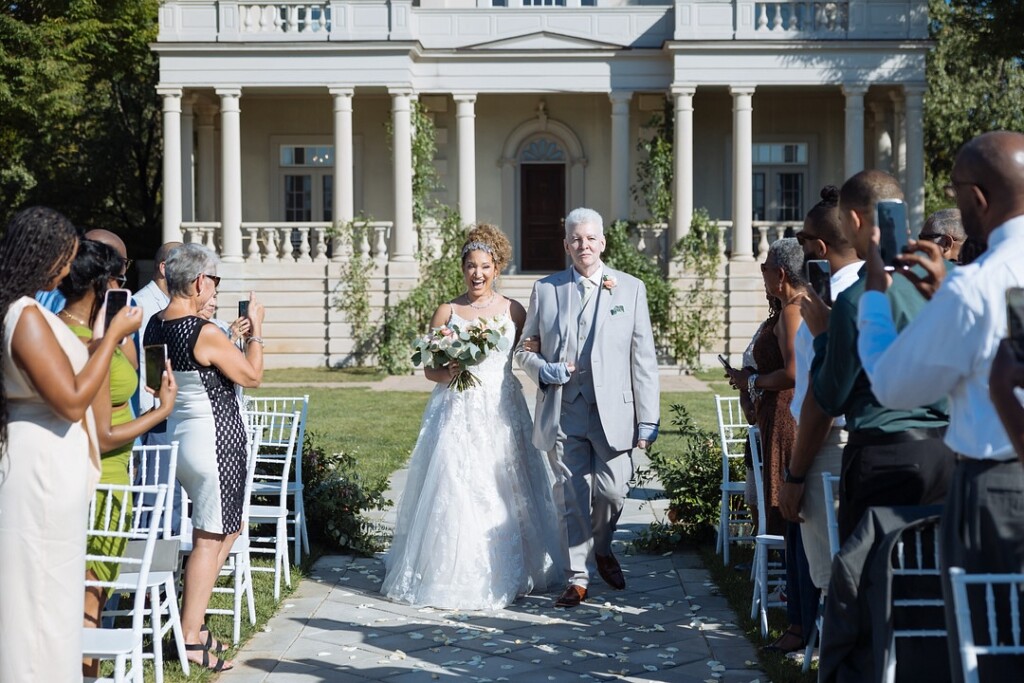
{"points": [[476, 525]]}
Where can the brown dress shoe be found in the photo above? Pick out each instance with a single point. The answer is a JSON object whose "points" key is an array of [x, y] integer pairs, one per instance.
{"points": [[609, 569], [572, 596]]}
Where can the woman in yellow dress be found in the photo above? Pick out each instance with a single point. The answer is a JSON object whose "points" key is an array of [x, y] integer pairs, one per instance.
{"points": [[49, 462], [97, 268]]}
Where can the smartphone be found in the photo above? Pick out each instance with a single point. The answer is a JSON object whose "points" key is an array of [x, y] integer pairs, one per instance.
{"points": [[1015, 319], [243, 308], [724, 362], [114, 300], [891, 219], [156, 361], [819, 274]]}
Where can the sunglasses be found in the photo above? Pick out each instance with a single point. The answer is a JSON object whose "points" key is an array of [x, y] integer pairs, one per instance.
{"points": [[214, 278], [120, 280], [931, 236], [127, 263]]}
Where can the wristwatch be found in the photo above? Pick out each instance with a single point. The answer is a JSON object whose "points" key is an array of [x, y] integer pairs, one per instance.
{"points": [[791, 478]]}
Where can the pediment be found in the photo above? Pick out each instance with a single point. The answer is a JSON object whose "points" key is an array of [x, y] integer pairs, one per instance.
{"points": [[544, 40]]}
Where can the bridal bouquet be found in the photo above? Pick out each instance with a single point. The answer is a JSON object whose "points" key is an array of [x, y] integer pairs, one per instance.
{"points": [[467, 345]]}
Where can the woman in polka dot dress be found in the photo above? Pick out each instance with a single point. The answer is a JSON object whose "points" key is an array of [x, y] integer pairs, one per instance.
{"points": [[208, 424]]}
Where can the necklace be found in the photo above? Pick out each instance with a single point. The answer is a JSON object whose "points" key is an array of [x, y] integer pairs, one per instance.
{"points": [[68, 314], [479, 306]]}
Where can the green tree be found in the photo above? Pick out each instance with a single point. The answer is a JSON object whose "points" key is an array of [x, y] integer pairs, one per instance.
{"points": [[995, 25], [81, 126], [969, 92]]}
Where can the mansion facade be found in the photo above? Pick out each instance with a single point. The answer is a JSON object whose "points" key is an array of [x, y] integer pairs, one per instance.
{"points": [[284, 120]]}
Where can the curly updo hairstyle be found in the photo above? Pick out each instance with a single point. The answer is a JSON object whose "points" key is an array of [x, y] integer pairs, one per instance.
{"points": [[92, 269], [36, 245], [487, 237]]}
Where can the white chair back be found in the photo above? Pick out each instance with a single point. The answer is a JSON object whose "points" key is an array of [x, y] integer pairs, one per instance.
{"points": [[754, 437], [733, 515], [114, 521], [1002, 638], [916, 574], [277, 450], [732, 429], [152, 466]]}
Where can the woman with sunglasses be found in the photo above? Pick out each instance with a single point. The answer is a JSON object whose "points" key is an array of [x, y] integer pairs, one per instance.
{"points": [[97, 268], [207, 423]]}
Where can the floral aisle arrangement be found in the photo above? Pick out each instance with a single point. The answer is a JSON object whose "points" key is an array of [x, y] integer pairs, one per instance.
{"points": [[466, 345]]}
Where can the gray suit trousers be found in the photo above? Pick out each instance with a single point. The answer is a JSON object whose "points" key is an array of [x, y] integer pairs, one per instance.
{"points": [[593, 481]]}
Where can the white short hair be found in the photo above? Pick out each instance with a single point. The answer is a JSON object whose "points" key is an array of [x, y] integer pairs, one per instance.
{"points": [[184, 264], [580, 216]]}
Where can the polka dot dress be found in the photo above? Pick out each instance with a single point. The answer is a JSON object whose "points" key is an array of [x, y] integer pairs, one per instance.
{"points": [[208, 425]]}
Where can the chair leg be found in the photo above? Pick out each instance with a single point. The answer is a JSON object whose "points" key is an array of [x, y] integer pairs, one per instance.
{"points": [[249, 592], [277, 565], [282, 534], [155, 610], [120, 662], [175, 618], [757, 580], [236, 619], [762, 571]]}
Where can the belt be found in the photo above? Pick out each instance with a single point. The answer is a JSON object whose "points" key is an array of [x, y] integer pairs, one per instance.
{"points": [[874, 437], [960, 457]]}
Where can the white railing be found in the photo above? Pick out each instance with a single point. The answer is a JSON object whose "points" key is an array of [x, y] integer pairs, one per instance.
{"points": [[795, 16], [763, 234], [284, 18], [286, 242]]}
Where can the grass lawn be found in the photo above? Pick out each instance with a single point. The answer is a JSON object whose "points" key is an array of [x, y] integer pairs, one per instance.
{"points": [[318, 375], [378, 427]]}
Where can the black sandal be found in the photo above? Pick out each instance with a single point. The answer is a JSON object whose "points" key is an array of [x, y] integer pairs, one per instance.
{"points": [[777, 647], [221, 664], [218, 648]]}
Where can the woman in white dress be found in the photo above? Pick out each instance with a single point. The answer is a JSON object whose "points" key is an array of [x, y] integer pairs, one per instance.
{"points": [[476, 525], [49, 460]]}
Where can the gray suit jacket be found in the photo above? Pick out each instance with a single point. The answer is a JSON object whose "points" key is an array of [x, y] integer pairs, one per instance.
{"points": [[623, 359]]}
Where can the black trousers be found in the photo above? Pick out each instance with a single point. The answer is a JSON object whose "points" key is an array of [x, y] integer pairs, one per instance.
{"points": [[915, 472], [983, 532]]}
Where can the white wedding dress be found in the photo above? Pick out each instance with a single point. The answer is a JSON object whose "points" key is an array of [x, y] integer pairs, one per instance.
{"points": [[476, 525]]}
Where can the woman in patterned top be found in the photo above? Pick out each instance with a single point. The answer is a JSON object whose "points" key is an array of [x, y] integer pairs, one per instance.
{"points": [[208, 425]]}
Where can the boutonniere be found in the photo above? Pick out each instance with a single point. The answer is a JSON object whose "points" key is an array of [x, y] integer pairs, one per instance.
{"points": [[618, 309], [609, 282]]}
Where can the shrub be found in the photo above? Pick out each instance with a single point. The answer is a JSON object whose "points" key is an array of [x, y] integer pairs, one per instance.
{"points": [[335, 498], [691, 474], [621, 254]]}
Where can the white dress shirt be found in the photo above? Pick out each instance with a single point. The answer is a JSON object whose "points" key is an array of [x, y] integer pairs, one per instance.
{"points": [[948, 348], [803, 345]]}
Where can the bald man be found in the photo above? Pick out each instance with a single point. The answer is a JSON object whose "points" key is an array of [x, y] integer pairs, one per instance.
{"points": [[982, 525]]}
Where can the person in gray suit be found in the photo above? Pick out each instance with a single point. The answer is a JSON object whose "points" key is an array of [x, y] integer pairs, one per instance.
{"points": [[588, 345]]}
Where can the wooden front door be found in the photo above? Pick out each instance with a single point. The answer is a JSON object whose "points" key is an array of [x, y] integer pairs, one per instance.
{"points": [[542, 208]]}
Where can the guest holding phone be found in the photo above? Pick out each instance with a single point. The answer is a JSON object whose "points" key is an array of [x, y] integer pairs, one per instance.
{"points": [[94, 276], [207, 423], [49, 460]]}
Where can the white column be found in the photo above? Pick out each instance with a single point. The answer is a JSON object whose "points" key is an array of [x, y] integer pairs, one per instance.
{"points": [[188, 197], [899, 127], [206, 176], [403, 232], [742, 173], [465, 116], [682, 175], [172, 164], [231, 175], [344, 168], [882, 138], [913, 189], [853, 151], [620, 154]]}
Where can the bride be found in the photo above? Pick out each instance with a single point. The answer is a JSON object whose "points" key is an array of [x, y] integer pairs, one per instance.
{"points": [[476, 526]]}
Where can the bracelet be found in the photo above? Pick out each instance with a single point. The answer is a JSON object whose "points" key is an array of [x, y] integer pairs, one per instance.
{"points": [[791, 478], [752, 390], [258, 340]]}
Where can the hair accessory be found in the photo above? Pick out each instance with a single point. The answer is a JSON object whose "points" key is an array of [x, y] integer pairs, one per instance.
{"points": [[477, 246]]}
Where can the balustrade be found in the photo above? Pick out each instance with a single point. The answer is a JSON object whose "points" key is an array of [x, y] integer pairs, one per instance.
{"points": [[284, 18], [794, 16]]}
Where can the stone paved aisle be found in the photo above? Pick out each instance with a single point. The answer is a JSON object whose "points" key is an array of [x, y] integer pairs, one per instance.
{"points": [[668, 625]]}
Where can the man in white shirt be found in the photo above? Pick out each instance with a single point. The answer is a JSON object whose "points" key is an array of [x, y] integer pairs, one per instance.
{"points": [[820, 438], [948, 351], [152, 298]]}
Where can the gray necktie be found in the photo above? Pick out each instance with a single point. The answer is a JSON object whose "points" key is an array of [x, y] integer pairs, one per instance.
{"points": [[588, 287]]}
